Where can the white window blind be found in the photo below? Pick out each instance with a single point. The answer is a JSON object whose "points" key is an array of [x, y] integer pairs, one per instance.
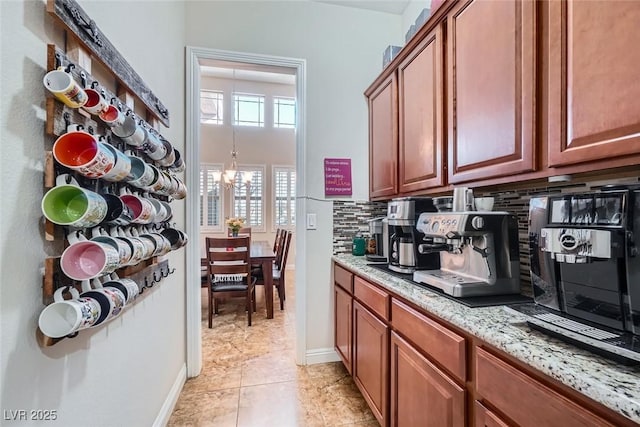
{"points": [[284, 188], [248, 203], [210, 200]]}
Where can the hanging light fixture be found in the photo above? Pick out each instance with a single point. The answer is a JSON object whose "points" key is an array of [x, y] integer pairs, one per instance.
{"points": [[229, 175]]}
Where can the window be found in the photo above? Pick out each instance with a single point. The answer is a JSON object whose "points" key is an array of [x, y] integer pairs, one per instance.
{"points": [[248, 110], [210, 201], [211, 107], [284, 113], [250, 204], [284, 188]]}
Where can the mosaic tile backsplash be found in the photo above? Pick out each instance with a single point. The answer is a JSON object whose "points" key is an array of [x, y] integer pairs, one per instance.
{"points": [[350, 217]]}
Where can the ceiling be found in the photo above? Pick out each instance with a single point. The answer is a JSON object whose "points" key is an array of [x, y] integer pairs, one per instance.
{"points": [[396, 7]]}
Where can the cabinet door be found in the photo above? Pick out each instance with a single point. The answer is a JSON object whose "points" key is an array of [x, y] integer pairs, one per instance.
{"points": [[421, 394], [371, 360], [486, 418], [383, 139], [498, 382], [491, 81], [420, 91], [594, 89], [342, 331]]}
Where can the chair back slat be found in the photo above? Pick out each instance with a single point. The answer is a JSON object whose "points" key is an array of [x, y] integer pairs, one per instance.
{"points": [[228, 255], [280, 249], [287, 243], [277, 240]]}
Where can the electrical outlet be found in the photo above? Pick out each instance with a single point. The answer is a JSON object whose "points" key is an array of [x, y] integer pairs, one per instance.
{"points": [[311, 221]]}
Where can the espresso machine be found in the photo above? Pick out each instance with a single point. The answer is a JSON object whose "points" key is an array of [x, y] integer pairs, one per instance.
{"points": [[478, 252], [585, 270], [402, 214]]}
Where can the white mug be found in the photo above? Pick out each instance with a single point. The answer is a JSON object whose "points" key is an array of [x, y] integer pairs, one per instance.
{"points": [[115, 297], [64, 317]]}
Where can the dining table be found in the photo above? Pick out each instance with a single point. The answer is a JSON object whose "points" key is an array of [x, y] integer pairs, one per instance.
{"points": [[261, 252]]}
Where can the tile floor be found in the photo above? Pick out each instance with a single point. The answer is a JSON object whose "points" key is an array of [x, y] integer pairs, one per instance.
{"points": [[250, 379]]}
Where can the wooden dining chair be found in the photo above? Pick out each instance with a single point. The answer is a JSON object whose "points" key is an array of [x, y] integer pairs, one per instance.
{"points": [[276, 241], [279, 269], [229, 272]]}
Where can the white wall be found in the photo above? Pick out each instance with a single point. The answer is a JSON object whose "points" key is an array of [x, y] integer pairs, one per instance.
{"points": [[343, 47], [263, 146], [121, 373]]}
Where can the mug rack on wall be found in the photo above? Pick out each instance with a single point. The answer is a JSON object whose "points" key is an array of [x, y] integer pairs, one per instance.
{"points": [[84, 45]]}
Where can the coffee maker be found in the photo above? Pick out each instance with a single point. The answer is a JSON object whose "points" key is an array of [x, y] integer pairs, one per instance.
{"points": [[478, 252], [402, 214], [585, 270], [379, 231]]}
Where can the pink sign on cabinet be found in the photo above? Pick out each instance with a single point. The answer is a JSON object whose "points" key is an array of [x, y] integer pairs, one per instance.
{"points": [[337, 177]]}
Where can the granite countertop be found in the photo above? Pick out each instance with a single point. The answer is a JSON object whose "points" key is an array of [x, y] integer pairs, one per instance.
{"points": [[615, 386]]}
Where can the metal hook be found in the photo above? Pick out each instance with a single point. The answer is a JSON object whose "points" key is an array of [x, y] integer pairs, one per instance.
{"points": [[94, 84], [58, 63], [90, 130], [70, 66], [172, 270], [67, 119], [113, 100], [156, 279], [103, 93], [83, 78]]}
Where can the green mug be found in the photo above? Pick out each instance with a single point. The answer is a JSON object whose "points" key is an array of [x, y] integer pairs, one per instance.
{"points": [[358, 246]]}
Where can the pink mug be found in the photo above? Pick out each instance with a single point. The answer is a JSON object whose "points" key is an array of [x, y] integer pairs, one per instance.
{"points": [[85, 259]]}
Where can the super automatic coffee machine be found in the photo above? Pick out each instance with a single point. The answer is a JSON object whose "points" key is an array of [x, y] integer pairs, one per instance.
{"points": [[402, 214], [478, 252], [585, 269]]}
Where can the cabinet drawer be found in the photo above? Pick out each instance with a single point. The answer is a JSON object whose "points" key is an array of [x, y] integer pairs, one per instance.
{"points": [[343, 277], [499, 383], [376, 299], [444, 346]]}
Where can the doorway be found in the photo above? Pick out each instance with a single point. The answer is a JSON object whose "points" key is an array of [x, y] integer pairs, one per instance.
{"points": [[195, 58]]}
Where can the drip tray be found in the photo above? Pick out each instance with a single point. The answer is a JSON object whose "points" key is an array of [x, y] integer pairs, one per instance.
{"points": [[474, 302], [621, 347]]}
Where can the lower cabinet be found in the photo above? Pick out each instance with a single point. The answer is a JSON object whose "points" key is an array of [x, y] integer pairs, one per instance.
{"points": [[486, 418], [414, 369], [371, 360], [342, 325], [500, 383], [421, 394]]}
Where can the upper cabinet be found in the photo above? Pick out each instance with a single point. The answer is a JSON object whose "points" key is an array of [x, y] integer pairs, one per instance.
{"points": [[421, 122], [491, 89], [383, 139], [593, 86]]}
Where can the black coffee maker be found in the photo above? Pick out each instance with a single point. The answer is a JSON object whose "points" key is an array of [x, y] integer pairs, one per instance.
{"points": [[402, 215], [585, 269]]}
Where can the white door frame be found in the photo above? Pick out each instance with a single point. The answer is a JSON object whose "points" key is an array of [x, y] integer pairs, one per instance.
{"points": [[192, 159]]}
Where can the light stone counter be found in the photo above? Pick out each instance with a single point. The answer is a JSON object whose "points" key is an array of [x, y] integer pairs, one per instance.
{"points": [[613, 385]]}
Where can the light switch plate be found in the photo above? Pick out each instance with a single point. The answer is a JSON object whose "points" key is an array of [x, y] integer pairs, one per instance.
{"points": [[311, 221]]}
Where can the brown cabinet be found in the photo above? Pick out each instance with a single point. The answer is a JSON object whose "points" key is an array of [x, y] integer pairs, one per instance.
{"points": [[421, 123], [525, 400], [491, 89], [383, 139], [371, 360], [421, 394], [486, 418], [342, 325], [593, 87]]}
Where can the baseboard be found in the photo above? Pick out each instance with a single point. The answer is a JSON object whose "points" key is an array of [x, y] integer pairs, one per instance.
{"points": [[321, 355], [170, 402]]}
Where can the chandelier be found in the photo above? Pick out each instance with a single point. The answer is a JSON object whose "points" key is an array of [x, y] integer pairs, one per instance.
{"points": [[231, 178]]}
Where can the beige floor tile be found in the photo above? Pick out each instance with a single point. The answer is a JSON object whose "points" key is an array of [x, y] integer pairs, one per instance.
{"points": [[217, 408], [281, 404], [250, 379]]}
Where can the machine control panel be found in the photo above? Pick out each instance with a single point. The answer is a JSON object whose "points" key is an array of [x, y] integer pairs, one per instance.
{"points": [[437, 224]]}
